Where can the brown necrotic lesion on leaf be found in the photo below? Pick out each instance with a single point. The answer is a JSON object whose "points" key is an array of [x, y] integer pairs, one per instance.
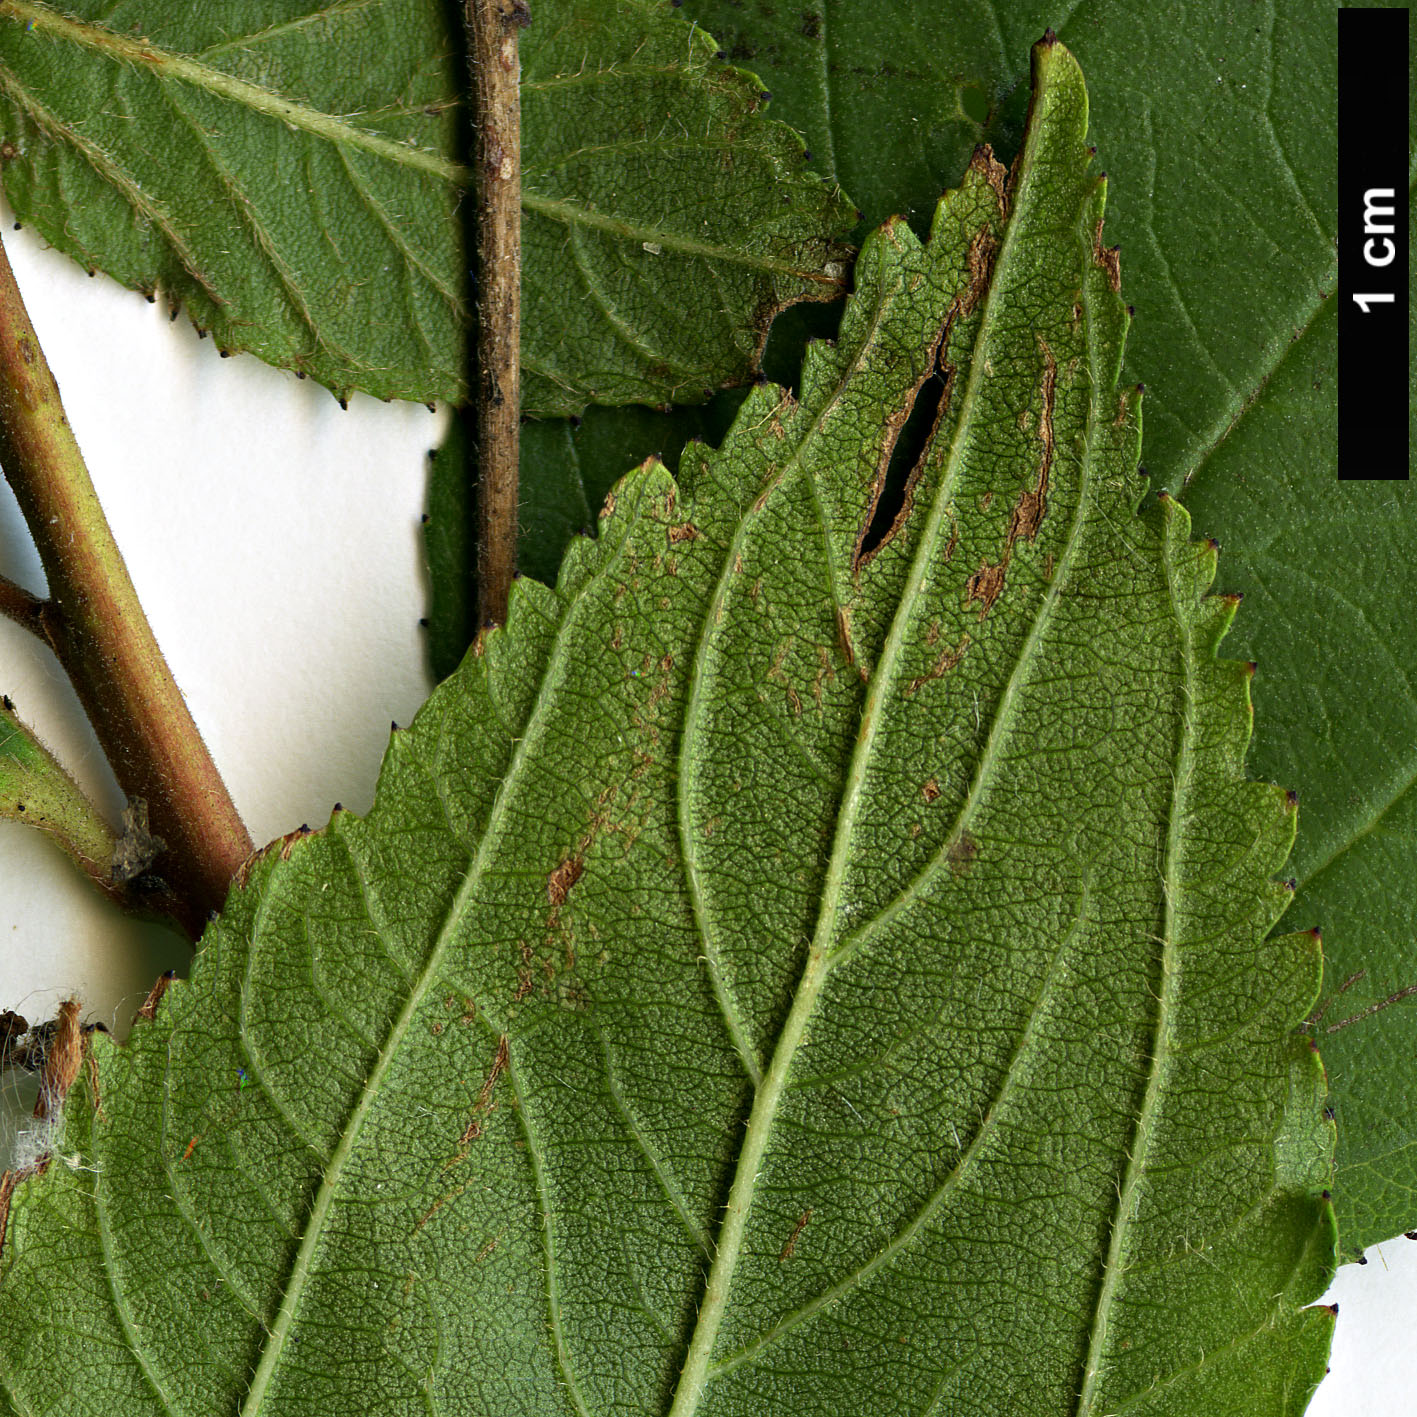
{"points": [[790, 1247], [161, 985], [962, 853], [560, 881], [979, 262], [1108, 257], [987, 583], [947, 660], [484, 1104], [1032, 503], [994, 173]]}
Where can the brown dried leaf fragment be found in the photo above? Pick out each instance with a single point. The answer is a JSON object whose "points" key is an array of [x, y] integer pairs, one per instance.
{"points": [[62, 1061], [161, 985]]}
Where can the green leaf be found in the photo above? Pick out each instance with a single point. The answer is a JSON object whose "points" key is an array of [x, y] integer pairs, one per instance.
{"points": [[565, 472], [1226, 210], [1225, 178], [1329, 575], [35, 790], [774, 975], [881, 89], [292, 175]]}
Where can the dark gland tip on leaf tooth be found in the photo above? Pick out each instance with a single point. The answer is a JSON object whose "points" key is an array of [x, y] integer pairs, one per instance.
{"points": [[587, 1170]]}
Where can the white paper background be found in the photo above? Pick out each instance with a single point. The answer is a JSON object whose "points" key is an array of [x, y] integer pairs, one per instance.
{"points": [[274, 542]]}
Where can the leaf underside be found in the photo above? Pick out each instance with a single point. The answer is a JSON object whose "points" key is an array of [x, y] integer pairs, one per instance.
{"points": [[138, 139], [1225, 204], [772, 978], [564, 473]]}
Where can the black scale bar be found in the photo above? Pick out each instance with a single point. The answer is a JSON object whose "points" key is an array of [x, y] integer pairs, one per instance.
{"points": [[1373, 295]]}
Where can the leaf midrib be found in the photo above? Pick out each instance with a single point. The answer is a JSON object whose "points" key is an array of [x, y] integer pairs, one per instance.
{"points": [[698, 700], [143, 55], [697, 1366]]}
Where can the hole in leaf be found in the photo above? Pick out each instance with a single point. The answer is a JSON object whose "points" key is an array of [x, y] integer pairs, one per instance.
{"points": [[789, 336], [909, 449]]}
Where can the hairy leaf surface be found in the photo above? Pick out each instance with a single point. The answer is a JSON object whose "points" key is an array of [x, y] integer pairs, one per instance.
{"points": [[774, 976], [292, 173], [1236, 338]]}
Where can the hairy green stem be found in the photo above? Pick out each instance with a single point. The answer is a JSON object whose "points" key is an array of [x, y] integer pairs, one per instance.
{"points": [[36, 790], [95, 625], [492, 27]]}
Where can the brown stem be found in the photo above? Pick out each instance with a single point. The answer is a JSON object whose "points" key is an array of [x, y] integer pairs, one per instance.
{"points": [[496, 121], [24, 608], [97, 628]]}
